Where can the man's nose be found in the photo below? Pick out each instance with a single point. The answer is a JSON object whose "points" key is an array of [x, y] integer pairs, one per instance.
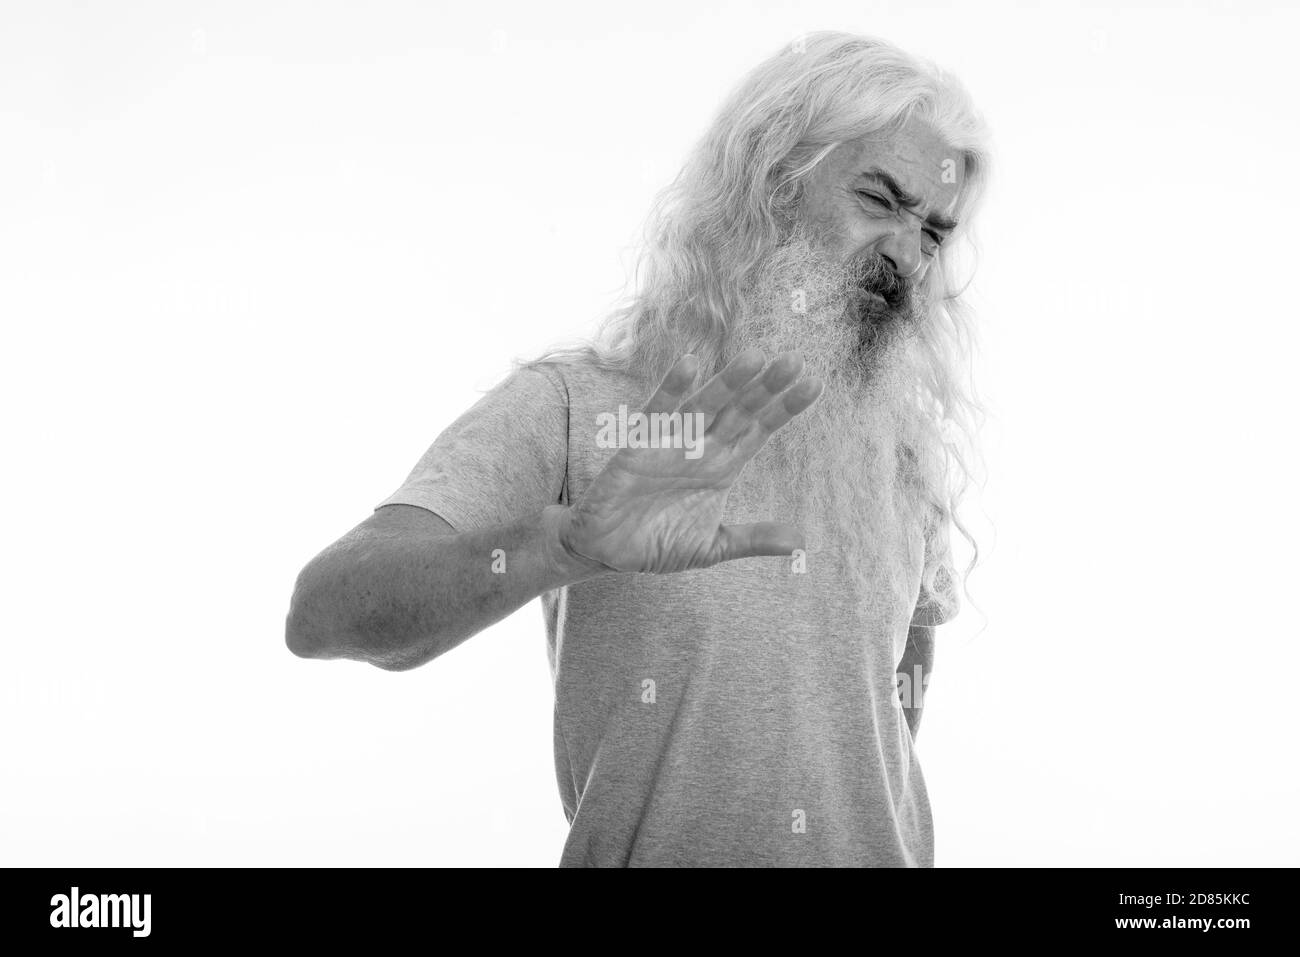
{"points": [[902, 248]]}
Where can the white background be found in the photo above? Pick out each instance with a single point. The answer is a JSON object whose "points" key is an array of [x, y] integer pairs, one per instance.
{"points": [[254, 257]]}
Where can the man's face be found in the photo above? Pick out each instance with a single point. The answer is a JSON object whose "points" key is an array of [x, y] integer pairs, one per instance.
{"points": [[883, 204], [843, 289]]}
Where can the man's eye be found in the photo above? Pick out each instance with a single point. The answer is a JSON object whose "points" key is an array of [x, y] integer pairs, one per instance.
{"points": [[874, 197], [930, 249]]}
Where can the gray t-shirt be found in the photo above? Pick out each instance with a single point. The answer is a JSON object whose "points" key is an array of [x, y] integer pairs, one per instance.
{"points": [[740, 715]]}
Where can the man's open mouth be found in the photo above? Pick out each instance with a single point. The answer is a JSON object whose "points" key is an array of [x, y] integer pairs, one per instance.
{"points": [[871, 307]]}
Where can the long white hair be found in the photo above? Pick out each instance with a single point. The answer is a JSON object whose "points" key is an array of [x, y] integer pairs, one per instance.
{"points": [[736, 200]]}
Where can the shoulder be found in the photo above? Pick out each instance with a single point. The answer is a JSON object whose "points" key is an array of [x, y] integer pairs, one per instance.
{"points": [[580, 378]]}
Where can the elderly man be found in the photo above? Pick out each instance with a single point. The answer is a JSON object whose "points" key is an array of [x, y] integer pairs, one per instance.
{"points": [[741, 561]]}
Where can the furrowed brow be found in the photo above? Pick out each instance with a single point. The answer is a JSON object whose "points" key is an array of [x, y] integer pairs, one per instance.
{"points": [[907, 200]]}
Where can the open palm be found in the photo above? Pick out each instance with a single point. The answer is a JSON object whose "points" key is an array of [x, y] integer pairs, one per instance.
{"points": [[659, 509]]}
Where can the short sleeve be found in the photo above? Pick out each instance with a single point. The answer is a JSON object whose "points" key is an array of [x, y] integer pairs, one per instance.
{"points": [[504, 458], [940, 600]]}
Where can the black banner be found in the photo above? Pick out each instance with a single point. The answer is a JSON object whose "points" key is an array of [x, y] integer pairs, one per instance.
{"points": [[136, 908]]}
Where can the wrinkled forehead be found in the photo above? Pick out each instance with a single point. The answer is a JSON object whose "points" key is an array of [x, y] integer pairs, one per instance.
{"points": [[913, 153]]}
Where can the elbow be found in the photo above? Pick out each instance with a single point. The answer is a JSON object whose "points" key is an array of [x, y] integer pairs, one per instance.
{"points": [[330, 616], [320, 626], [306, 633], [298, 637]]}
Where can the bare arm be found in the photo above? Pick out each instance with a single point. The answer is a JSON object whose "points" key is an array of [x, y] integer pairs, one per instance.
{"points": [[403, 586], [914, 673]]}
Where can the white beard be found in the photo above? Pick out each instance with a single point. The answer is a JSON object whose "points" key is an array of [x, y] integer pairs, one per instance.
{"points": [[837, 471]]}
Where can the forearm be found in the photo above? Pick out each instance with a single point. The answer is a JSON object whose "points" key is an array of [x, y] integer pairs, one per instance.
{"points": [[400, 600], [913, 673]]}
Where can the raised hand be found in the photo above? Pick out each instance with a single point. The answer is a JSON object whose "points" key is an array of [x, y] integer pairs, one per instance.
{"points": [[660, 510]]}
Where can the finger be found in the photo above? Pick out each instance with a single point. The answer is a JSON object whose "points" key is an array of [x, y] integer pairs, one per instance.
{"points": [[722, 388], [761, 538], [741, 411], [780, 411], [675, 385]]}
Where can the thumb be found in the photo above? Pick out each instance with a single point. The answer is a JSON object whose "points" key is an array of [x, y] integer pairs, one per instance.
{"points": [[761, 538]]}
